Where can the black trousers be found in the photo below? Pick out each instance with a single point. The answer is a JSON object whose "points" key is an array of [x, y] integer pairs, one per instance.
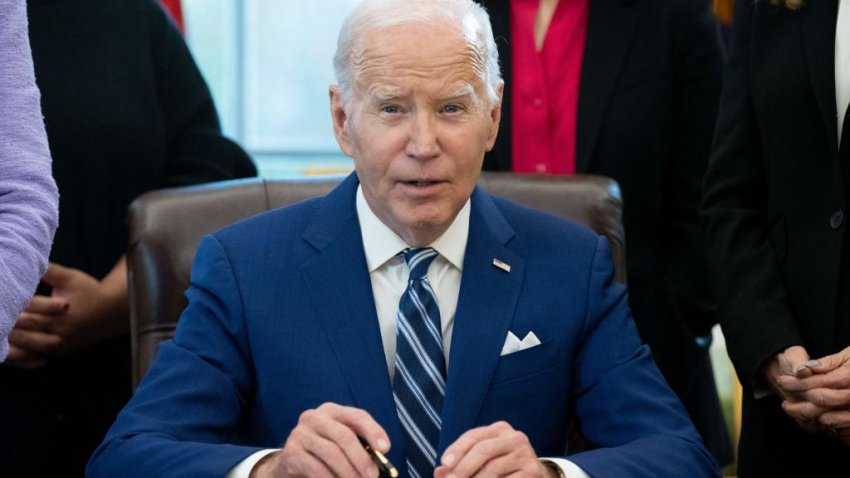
{"points": [[52, 419]]}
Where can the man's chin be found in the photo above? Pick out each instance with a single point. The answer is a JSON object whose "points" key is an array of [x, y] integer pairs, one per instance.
{"points": [[422, 229]]}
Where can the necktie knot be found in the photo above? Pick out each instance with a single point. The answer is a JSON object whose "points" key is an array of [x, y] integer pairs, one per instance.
{"points": [[418, 261]]}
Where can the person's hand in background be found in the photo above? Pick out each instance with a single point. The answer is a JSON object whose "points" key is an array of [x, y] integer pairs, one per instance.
{"points": [[81, 311], [782, 373], [826, 394]]}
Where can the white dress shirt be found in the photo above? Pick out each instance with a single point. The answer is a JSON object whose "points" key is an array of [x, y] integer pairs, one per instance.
{"points": [[388, 273], [842, 63]]}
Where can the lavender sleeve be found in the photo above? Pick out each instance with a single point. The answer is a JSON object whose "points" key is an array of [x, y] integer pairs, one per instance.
{"points": [[28, 194]]}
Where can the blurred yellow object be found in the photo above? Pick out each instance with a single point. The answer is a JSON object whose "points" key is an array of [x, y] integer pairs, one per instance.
{"points": [[723, 9], [326, 171], [737, 397]]}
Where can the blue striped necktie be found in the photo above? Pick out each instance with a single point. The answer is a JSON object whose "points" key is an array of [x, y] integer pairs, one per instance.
{"points": [[420, 367]]}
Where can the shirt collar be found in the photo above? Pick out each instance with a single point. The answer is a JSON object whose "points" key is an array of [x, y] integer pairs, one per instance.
{"points": [[381, 244]]}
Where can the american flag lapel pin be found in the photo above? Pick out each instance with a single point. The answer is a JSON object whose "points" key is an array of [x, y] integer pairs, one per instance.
{"points": [[502, 265]]}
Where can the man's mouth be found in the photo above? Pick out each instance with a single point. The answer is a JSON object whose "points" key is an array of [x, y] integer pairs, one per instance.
{"points": [[421, 183]]}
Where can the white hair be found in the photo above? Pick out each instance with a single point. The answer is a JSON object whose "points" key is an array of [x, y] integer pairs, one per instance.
{"points": [[470, 18]]}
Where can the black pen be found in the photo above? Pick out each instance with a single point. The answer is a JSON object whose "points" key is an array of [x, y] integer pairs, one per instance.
{"points": [[383, 463]]}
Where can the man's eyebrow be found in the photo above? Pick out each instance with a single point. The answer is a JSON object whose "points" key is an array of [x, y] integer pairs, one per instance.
{"points": [[383, 95], [464, 91]]}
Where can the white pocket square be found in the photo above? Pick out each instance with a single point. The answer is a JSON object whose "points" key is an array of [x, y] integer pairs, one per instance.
{"points": [[514, 344]]}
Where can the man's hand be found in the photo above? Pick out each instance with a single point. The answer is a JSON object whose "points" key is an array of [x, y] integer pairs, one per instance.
{"points": [[784, 367], [826, 394], [30, 340], [325, 444], [81, 311], [837, 424], [495, 450], [782, 373]]}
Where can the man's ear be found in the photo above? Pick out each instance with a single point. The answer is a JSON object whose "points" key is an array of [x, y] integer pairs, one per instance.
{"points": [[495, 116], [340, 119]]}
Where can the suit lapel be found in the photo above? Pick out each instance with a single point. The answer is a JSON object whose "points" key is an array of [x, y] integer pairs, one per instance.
{"points": [[818, 23], [610, 27], [341, 291], [488, 297]]}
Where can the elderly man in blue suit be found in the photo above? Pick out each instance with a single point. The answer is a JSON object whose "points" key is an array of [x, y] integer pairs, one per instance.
{"points": [[456, 332]]}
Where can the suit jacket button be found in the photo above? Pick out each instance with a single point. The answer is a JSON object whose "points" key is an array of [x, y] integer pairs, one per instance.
{"points": [[837, 219]]}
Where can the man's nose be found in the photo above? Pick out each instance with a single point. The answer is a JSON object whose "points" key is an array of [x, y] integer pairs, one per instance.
{"points": [[423, 142]]}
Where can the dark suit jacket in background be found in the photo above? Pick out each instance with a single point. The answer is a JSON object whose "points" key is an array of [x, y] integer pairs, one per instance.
{"points": [[650, 84], [281, 318], [126, 111], [775, 209]]}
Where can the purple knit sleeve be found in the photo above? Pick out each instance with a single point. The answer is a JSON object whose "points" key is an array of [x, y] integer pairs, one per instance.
{"points": [[28, 195]]}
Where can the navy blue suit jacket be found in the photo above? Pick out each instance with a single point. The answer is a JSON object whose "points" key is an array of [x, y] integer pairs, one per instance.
{"points": [[281, 318]]}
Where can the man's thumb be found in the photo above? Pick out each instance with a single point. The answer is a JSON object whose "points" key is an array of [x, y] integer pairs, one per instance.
{"points": [[825, 364], [56, 275]]}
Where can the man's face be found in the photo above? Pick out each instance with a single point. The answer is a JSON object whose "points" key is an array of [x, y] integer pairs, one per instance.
{"points": [[417, 125]]}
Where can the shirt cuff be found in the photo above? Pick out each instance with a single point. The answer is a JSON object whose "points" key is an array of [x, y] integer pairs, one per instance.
{"points": [[760, 388], [243, 469], [761, 391], [570, 469]]}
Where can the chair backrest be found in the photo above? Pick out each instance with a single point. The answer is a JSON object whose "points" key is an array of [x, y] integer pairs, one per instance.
{"points": [[166, 227]]}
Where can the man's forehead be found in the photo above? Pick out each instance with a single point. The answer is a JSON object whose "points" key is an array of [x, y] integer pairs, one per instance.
{"points": [[391, 59], [417, 46]]}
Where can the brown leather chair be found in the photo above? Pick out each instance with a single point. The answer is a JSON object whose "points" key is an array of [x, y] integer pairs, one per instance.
{"points": [[166, 227]]}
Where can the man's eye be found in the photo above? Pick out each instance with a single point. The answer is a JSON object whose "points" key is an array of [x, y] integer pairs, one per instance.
{"points": [[452, 109], [391, 109]]}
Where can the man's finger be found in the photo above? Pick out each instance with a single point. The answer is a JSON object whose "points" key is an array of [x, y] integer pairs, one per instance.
{"points": [[332, 456], [34, 322], [837, 379], [804, 369], [34, 341], [352, 451], [21, 358], [804, 411], [362, 424], [489, 457], [792, 359], [830, 362], [828, 398], [792, 388], [506, 465], [57, 275], [42, 304], [836, 420], [457, 450]]}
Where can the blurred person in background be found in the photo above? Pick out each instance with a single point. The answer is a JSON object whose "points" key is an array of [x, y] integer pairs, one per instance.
{"points": [[28, 195], [629, 90], [776, 199], [126, 112]]}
